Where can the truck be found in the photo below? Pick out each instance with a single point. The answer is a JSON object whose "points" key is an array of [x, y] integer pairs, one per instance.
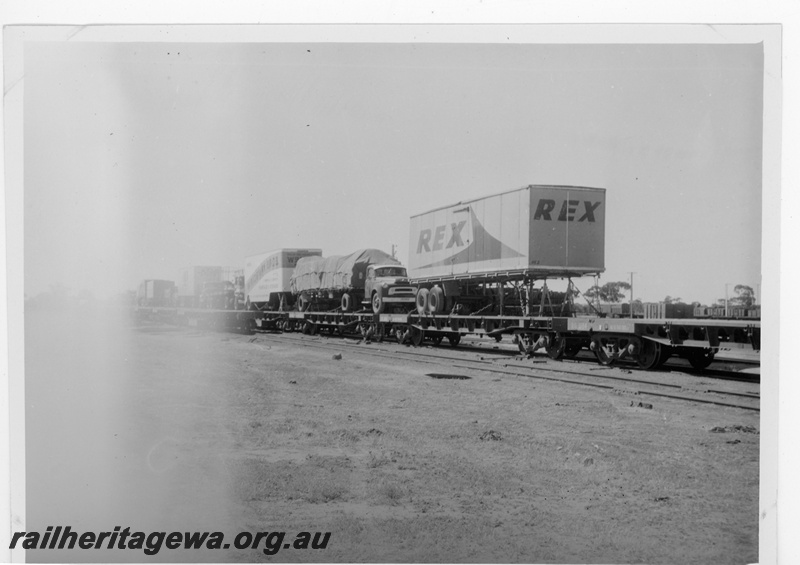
{"points": [[484, 255], [267, 278], [198, 283], [367, 278], [154, 292]]}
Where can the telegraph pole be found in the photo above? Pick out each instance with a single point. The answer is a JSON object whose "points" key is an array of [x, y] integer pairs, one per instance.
{"points": [[631, 297], [726, 298]]}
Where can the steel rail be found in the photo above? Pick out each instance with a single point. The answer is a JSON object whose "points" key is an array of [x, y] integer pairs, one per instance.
{"points": [[437, 360]]}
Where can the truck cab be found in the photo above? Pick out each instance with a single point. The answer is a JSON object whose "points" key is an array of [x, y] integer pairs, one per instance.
{"points": [[386, 287]]}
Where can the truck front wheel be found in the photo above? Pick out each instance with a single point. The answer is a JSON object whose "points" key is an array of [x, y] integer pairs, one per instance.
{"points": [[377, 303]]}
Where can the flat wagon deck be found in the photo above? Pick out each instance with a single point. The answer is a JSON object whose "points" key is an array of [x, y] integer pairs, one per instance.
{"points": [[648, 342]]}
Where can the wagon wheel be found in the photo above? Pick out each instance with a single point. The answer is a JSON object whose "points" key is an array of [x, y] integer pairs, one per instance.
{"points": [[454, 339], [600, 352], [701, 359], [398, 333], [649, 355], [555, 347], [437, 339], [417, 335], [380, 332], [573, 347]]}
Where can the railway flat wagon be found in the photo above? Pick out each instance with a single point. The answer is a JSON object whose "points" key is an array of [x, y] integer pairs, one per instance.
{"points": [[268, 277], [473, 252]]}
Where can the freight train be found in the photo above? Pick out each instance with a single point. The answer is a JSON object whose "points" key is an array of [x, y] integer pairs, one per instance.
{"points": [[478, 268]]}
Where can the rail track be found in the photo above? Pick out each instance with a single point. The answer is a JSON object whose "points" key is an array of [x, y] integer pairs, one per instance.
{"points": [[683, 386]]}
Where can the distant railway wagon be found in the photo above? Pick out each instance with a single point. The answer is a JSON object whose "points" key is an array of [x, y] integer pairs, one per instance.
{"points": [[731, 312], [484, 255]]}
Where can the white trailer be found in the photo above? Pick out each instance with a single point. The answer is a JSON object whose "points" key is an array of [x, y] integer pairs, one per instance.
{"points": [[469, 251], [267, 277]]}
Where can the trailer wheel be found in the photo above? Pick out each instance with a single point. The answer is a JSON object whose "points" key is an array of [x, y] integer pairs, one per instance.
{"points": [[423, 305], [302, 303], [378, 305], [436, 300], [347, 302]]}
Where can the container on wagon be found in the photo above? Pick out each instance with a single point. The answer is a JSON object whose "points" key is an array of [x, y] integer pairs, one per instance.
{"points": [[153, 292], [539, 231], [267, 276]]}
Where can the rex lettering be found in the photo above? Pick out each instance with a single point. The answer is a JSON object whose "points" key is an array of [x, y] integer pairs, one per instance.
{"points": [[569, 209], [438, 236]]}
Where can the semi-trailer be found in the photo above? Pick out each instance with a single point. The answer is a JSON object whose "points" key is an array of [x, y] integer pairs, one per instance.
{"points": [[267, 278], [485, 255]]}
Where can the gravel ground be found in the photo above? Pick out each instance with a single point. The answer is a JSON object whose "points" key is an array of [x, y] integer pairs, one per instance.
{"points": [[165, 429]]}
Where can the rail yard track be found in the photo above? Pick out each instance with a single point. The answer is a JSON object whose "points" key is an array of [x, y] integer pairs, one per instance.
{"points": [[717, 387]]}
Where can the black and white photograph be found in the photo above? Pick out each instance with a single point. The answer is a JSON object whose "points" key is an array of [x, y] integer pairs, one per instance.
{"points": [[393, 293]]}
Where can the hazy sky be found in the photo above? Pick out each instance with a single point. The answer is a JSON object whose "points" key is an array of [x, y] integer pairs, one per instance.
{"points": [[141, 158]]}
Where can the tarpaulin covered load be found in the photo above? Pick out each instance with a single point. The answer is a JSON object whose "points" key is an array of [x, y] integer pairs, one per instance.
{"points": [[338, 272], [307, 274]]}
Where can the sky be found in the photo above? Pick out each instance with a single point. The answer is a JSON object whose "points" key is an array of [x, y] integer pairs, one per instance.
{"points": [[144, 157]]}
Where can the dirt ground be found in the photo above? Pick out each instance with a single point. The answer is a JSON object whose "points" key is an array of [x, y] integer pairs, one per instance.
{"points": [[173, 429]]}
